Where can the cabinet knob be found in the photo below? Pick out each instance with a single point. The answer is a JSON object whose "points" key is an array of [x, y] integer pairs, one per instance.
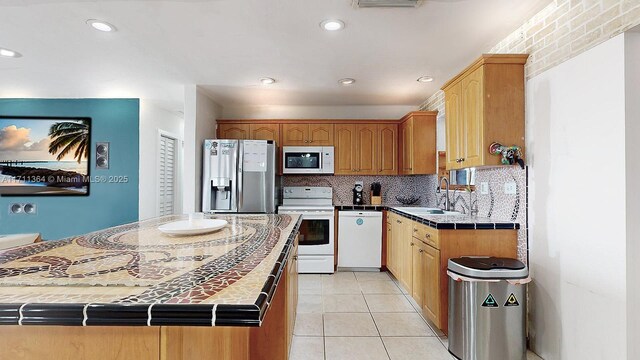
{"points": [[428, 236], [412, 244], [462, 160], [415, 230], [421, 250], [295, 257], [399, 222]]}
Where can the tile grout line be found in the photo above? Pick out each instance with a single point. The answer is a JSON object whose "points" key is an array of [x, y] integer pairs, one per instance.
{"points": [[376, 325]]}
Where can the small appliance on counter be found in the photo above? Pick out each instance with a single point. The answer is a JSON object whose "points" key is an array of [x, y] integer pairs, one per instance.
{"points": [[239, 176], [376, 193], [357, 194]]}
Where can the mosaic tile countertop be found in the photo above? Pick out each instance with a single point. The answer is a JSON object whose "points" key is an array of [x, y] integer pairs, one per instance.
{"points": [[458, 222], [135, 275], [461, 221]]}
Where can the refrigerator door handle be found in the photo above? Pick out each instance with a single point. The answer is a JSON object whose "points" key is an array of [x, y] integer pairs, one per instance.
{"points": [[239, 185]]}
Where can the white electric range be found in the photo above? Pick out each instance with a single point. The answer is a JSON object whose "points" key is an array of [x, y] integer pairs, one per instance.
{"points": [[316, 242]]}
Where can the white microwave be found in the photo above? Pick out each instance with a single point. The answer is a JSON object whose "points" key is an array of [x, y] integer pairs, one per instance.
{"points": [[307, 159]]}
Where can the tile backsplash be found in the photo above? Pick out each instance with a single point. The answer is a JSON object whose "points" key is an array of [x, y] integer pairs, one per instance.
{"points": [[496, 204], [423, 186]]}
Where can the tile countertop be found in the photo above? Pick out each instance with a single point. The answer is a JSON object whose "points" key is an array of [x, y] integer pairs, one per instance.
{"points": [[458, 222], [135, 275]]}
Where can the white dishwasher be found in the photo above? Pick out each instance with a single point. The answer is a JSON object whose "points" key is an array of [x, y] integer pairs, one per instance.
{"points": [[360, 240]]}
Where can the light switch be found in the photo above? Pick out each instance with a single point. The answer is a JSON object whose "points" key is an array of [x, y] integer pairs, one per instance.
{"points": [[484, 188], [510, 188]]}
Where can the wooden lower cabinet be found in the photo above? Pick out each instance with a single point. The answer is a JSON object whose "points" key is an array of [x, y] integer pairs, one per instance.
{"points": [[270, 341], [292, 292], [405, 253], [430, 268], [417, 256], [418, 271]]}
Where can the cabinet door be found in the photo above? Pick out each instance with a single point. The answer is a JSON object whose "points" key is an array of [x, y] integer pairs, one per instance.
{"points": [[453, 122], [472, 105], [233, 131], [417, 275], [390, 243], [295, 134], [321, 134], [387, 149], [431, 296], [406, 256], [366, 149], [407, 147], [265, 132], [345, 149]]}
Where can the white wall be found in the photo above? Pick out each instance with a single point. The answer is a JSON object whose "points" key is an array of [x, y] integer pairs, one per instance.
{"points": [[317, 112], [632, 72], [152, 119], [200, 114], [575, 137]]}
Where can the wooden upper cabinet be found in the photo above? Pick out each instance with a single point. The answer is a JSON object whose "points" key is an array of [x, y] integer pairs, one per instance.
{"points": [[472, 124], [418, 143], [452, 110], [321, 134], [360, 147], [484, 104], [345, 149], [260, 131], [295, 134], [301, 134], [387, 162], [367, 149], [233, 131]]}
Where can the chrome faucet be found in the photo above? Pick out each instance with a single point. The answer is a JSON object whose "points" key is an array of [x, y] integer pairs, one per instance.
{"points": [[447, 204]]}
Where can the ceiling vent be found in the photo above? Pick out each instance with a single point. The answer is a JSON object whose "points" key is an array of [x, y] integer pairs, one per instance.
{"points": [[386, 3]]}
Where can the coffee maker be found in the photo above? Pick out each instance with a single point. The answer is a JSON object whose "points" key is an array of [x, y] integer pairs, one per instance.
{"points": [[357, 193]]}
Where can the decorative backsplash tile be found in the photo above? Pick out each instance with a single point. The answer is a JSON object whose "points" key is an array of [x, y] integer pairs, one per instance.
{"points": [[422, 186], [496, 204]]}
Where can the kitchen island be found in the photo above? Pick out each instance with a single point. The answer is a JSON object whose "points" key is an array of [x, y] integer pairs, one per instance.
{"points": [[131, 292]]}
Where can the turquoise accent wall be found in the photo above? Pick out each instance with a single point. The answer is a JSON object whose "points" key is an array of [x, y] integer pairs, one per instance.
{"points": [[109, 204]]}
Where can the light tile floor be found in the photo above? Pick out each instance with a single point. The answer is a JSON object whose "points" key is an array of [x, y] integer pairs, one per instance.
{"points": [[362, 316]]}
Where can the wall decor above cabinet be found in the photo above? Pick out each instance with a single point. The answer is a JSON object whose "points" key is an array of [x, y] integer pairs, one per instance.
{"points": [[484, 104]]}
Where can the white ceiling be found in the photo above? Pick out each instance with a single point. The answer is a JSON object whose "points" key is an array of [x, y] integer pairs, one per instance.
{"points": [[227, 45]]}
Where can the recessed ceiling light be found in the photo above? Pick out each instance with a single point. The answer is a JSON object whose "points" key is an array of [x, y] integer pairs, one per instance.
{"points": [[9, 53], [101, 25], [346, 81], [424, 79], [267, 80], [332, 25]]}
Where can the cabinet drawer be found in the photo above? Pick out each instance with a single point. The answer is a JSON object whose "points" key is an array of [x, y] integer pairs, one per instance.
{"points": [[426, 234]]}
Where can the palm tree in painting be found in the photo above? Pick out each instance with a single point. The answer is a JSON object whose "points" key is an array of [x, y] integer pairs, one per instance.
{"points": [[70, 136]]}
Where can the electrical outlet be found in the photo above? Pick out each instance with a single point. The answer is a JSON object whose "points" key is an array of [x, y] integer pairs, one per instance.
{"points": [[484, 188], [510, 188]]}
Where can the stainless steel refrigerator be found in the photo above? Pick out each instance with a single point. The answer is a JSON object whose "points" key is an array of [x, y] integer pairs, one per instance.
{"points": [[239, 176]]}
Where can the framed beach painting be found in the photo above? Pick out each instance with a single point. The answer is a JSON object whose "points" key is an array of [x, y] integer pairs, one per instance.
{"points": [[44, 156]]}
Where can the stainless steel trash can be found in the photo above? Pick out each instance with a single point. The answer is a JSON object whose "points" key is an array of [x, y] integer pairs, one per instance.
{"points": [[487, 308]]}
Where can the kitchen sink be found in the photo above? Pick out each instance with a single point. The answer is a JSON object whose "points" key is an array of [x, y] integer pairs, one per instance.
{"points": [[426, 211]]}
